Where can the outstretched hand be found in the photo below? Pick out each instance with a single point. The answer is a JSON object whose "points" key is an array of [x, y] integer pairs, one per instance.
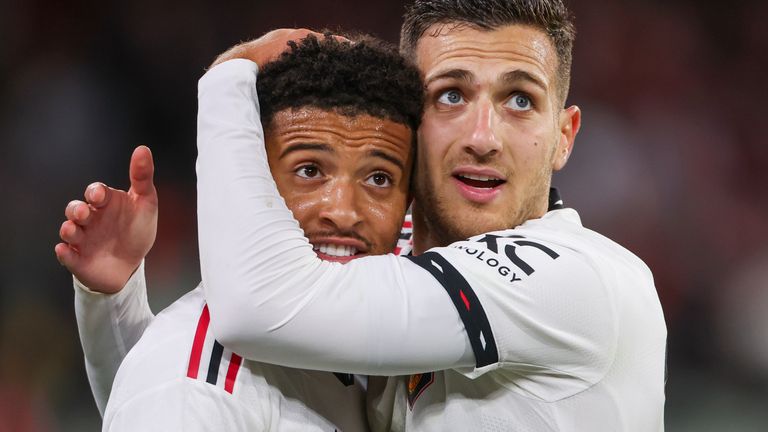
{"points": [[268, 47], [106, 236]]}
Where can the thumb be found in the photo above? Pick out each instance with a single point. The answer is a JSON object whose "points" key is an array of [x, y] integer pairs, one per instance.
{"points": [[142, 171]]}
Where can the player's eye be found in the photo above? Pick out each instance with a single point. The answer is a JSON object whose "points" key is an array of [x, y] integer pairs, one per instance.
{"points": [[451, 97], [520, 102], [308, 171], [379, 179]]}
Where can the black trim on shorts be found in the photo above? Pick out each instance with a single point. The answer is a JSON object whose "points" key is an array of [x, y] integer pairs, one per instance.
{"points": [[468, 305]]}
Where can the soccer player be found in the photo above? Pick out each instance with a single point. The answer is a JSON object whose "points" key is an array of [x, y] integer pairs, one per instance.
{"points": [[510, 316], [341, 154]]}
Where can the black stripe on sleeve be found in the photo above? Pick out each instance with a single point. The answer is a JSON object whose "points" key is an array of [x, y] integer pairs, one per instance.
{"points": [[213, 366], [467, 304]]}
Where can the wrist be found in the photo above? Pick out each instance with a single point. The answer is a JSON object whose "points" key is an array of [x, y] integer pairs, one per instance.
{"points": [[120, 279]]}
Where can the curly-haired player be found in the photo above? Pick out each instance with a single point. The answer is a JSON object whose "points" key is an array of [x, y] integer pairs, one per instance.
{"points": [[340, 123]]}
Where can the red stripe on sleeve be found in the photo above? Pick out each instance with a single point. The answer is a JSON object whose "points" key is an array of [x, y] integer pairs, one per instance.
{"points": [[464, 299], [234, 367], [197, 345]]}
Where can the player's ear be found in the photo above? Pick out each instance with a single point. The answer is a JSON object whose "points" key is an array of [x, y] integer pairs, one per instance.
{"points": [[570, 122]]}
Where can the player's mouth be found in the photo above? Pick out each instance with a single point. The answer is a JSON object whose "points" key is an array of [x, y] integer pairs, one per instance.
{"points": [[342, 250], [478, 185]]}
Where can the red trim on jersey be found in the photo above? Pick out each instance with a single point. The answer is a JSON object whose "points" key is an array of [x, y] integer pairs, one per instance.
{"points": [[234, 367], [407, 224], [197, 344], [464, 298]]}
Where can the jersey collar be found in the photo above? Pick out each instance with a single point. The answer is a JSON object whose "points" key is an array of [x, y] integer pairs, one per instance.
{"points": [[555, 202]]}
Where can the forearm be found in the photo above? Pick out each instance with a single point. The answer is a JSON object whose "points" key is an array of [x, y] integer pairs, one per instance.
{"points": [[109, 326], [271, 298]]}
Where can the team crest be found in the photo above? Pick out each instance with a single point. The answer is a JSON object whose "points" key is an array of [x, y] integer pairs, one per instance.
{"points": [[417, 383]]}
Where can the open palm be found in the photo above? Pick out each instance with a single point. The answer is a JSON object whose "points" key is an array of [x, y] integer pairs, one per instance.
{"points": [[106, 236]]}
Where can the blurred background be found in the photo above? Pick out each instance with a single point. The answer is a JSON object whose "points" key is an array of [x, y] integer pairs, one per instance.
{"points": [[672, 162]]}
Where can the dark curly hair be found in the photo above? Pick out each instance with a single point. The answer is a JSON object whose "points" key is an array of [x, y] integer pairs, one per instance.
{"points": [[367, 76]]}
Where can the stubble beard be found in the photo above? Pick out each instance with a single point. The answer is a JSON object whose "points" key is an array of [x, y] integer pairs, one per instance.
{"points": [[444, 223]]}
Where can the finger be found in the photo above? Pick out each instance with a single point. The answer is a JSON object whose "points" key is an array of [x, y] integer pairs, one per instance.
{"points": [[71, 233], [78, 212], [67, 256], [340, 38], [302, 33], [142, 171], [98, 194]]}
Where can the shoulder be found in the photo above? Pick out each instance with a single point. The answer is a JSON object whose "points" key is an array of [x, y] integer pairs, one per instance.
{"points": [[545, 294], [174, 321], [163, 351], [182, 404], [548, 249], [542, 249]]}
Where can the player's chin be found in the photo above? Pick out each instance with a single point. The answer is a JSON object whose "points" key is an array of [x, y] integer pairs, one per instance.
{"points": [[475, 221]]}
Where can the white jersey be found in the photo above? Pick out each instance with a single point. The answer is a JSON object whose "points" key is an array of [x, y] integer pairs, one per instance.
{"points": [[545, 327], [109, 326], [178, 377]]}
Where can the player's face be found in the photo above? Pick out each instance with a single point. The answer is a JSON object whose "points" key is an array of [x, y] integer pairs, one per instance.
{"points": [[492, 133], [344, 178]]}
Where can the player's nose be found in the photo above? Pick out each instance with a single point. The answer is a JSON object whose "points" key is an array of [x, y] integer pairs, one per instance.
{"points": [[340, 207], [483, 139]]}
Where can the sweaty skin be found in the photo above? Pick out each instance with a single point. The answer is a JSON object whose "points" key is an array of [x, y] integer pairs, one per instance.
{"points": [[344, 178], [368, 159], [493, 131]]}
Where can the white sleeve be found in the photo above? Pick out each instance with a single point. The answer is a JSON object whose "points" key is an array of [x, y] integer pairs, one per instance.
{"points": [[542, 311], [271, 299], [109, 326]]}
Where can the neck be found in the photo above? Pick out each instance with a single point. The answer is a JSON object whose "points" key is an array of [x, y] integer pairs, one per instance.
{"points": [[426, 235], [423, 237]]}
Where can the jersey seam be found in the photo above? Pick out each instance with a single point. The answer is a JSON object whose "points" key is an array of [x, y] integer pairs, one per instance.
{"points": [[508, 364], [614, 315], [609, 364]]}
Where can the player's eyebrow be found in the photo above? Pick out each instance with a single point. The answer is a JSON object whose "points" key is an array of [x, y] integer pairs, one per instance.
{"points": [[516, 76], [456, 74], [306, 146], [388, 157]]}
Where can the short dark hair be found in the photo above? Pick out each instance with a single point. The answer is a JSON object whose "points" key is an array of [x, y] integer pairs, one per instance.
{"points": [[550, 16], [367, 76]]}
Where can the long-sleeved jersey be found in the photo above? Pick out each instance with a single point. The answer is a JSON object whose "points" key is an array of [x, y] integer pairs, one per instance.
{"points": [[110, 325], [547, 326], [178, 377], [266, 397]]}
